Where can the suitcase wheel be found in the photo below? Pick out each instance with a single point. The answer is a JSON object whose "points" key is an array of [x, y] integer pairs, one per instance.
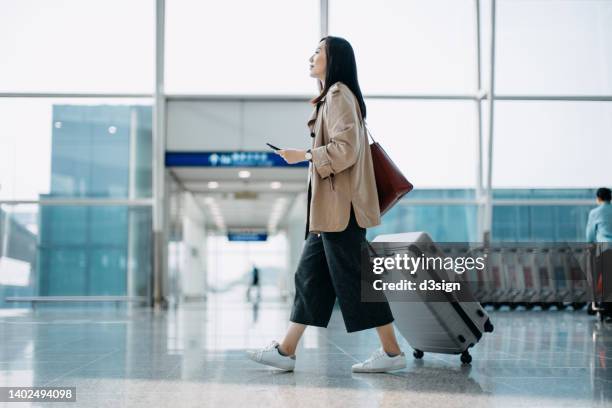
{"points": [[418, 354], [488, 326], [466, 358]]}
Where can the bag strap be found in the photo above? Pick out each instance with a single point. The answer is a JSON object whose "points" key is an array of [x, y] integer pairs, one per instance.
{"points": [[362, 120], [368, 132]]}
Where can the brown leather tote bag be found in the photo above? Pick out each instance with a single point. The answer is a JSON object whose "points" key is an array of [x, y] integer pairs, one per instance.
{"points": [[390, 182]]}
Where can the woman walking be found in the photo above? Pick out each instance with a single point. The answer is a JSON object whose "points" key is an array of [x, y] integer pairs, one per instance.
{"points": [[342, 203]]}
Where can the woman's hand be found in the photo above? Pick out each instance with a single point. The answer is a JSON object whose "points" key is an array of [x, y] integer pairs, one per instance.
{"points": [[292, 156]]}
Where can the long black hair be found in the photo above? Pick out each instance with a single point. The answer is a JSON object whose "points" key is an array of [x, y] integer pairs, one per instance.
{"points": [[341, 67]]}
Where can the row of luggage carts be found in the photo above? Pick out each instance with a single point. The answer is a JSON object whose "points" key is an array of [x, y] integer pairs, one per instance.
{"points": [[533, 276]]}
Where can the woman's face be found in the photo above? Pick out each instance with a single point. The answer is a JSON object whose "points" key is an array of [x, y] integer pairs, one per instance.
{"points": [[318, 62]]}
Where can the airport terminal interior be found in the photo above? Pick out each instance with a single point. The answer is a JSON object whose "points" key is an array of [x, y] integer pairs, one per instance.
{"points": [[149, 237]]}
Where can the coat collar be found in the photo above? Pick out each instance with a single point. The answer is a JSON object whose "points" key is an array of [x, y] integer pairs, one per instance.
{"points": [[312, 120], [313, 116], [332, 89]]}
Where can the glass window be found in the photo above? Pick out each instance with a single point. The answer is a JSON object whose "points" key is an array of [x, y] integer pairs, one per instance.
{"points": [[552, 144], [94, 148], [521, 223], [545, 194], [77, 46], [240, 47], [441, 194], [553, 47], [432, 142], [410, 46], [74, 251], [434, 219]]}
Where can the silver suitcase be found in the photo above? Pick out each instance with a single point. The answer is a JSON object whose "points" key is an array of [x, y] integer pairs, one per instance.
{"points": [[449, 327]]}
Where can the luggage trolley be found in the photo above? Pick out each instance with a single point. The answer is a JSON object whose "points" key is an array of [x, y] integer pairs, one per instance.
{"points": [[478, 278], [535, 267], [560, 277], [542, 267], [527, 278], [495, 265], [577, 261], [511, 277], [472, 277]]}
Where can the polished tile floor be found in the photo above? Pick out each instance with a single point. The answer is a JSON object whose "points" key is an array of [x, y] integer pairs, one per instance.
{"points": [[194, 357]]}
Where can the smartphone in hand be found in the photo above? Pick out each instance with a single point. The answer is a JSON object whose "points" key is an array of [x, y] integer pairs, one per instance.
{"points": [[273, 147]]}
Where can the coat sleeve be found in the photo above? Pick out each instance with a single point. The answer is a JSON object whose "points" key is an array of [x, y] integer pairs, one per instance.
{"points": [[343, 128]]}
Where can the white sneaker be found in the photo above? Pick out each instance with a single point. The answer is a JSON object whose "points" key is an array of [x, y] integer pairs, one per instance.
{"points": [[272, 357], [380, 362]]}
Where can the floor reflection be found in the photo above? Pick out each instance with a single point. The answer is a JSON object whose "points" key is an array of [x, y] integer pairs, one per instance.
{"points": [[146, 358]]}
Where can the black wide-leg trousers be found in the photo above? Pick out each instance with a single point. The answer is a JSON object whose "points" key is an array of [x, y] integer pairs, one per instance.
{"points": [[328, 268]]}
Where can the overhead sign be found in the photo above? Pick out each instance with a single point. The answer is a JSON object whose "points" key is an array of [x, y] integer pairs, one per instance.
{"points": [[247, 236], [228, 159]]}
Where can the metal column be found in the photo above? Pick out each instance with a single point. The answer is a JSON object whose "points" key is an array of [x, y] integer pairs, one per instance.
{"points": [[479, 93], [488, 221], [160, 266], [324, 17]]}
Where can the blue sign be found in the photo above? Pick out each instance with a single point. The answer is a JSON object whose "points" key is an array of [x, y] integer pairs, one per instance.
{"points": [[228, 159], [247, 236]]}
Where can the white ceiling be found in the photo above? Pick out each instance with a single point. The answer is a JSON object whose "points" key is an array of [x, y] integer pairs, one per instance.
{"points": [[237, 125], [244, 203], [196, 179]]}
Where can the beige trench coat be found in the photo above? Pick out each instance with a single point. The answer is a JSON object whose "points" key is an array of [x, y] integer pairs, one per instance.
{"points": [[341, 170]]}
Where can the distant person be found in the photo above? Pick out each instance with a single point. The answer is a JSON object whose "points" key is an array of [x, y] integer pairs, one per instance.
{"points": [[599, 224], [254, 283], [342, 203], [599, 230]]}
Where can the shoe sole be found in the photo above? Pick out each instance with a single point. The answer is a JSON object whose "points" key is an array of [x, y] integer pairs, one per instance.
{"points": [[270, 364], [377, 370]]}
